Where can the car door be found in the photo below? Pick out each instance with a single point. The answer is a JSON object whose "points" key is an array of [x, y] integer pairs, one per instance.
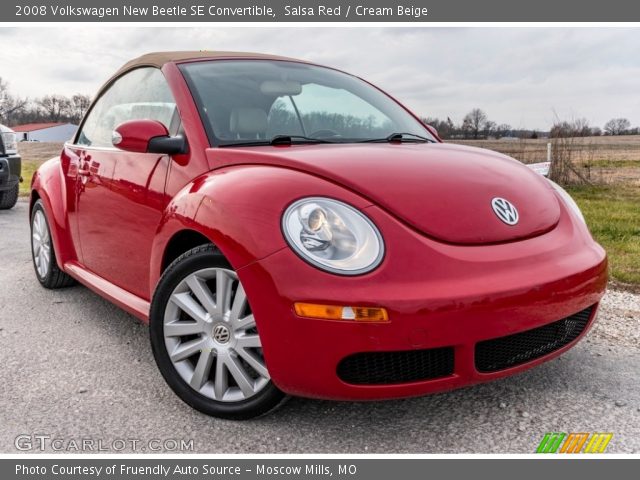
{"points": [[121, 195]]}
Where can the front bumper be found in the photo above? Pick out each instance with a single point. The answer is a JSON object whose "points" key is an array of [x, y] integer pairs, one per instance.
{"points": [[438, 296], [10, 170]]}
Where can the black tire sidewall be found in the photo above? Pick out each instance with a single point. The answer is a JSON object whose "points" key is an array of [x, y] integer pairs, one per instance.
{"points": [[197, 259], [9, 198]]}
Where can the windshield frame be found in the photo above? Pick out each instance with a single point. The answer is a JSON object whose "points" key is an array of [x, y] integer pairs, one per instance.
{"points": [[215, 141]]}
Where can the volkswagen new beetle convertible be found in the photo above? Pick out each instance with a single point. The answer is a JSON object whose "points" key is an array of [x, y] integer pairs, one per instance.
{"points": [[290, 229]]}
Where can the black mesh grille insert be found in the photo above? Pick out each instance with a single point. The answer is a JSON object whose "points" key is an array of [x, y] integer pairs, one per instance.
{"points": [[500, 353], [380, 368]]}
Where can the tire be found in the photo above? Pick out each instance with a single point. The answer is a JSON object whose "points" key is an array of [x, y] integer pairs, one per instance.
{"points": [[9, 198], [208, 350], [43, 254]]}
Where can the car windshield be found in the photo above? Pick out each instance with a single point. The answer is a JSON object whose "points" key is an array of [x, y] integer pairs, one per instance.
{"points": [[256, 101]]}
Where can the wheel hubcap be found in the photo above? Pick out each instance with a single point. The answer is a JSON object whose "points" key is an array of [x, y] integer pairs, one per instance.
{"points": [[41, 244], [211, 336], [221, 334]]}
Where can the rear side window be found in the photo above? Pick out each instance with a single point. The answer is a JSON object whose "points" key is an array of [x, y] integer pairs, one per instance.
{"points": [[138, 95]]}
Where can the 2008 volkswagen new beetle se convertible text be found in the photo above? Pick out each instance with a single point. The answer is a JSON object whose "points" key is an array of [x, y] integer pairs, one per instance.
{"points": [[287, 228]]}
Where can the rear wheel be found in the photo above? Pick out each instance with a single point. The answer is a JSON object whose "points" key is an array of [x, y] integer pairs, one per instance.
{"points": [[9, 198], [43, 254], [205, 340]]}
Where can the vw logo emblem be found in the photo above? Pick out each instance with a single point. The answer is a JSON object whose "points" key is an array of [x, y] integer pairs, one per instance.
{"points": [[505, 211], [221, 334]]}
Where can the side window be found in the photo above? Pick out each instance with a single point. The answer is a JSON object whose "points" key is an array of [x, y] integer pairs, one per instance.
{"points": [[140, 94]]}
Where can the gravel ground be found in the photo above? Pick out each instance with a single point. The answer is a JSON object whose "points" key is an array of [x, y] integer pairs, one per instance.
{"points": [[74, 366], [619, 320]]}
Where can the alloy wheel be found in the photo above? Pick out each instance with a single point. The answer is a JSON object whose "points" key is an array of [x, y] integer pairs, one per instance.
{"points": [[41, 243], [211, 337]]}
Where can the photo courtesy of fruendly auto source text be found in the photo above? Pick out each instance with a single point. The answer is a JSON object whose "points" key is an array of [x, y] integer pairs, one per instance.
{"points": [[347, 239]]}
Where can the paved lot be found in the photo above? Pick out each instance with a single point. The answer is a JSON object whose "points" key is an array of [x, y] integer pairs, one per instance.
{"points": [[73, 366]]}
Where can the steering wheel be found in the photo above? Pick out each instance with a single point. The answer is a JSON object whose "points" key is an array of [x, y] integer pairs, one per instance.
{"points": [[325, 133]]}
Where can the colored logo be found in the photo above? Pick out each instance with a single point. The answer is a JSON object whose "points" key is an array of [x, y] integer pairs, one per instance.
{"points": [[574, 442]]}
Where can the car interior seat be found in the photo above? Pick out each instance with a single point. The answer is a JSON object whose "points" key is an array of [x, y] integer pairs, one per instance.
{"points": [[248, 122]]}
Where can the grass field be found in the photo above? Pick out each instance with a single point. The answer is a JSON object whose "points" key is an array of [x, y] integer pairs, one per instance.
{"points": [[602, 160], [612, 210], [603, 148], [613, 216], [33, 154]]}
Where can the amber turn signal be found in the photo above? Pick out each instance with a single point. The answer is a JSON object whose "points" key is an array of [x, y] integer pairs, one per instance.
{"points": [[336, 312]]}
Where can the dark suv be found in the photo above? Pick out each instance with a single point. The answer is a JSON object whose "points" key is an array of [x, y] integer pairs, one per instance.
{"points": [[10, 167]]}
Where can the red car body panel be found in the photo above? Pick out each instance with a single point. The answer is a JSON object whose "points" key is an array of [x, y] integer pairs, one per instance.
{"points": [[48, 184], [461, 298], [441, 191], [452, 274]]}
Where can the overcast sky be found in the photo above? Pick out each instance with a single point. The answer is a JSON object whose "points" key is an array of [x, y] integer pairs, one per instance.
{"points": [[520, 76]]}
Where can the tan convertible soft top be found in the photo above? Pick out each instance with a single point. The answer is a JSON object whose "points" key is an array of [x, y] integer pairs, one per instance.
{"points": [[159, 59]]}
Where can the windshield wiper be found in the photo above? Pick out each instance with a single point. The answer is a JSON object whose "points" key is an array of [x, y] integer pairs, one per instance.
{"points": [[277, 140], [291, 139], [400, 137]]}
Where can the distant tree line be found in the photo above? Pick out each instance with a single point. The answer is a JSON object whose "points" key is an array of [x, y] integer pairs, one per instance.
{"points": [[281, 119], [50, 108], [477, 125]]}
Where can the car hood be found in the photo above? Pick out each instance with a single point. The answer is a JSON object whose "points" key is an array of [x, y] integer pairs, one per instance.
{"points": [[444, 191]]}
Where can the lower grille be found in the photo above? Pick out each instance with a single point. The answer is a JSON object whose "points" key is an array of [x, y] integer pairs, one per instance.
{"points": [[383, 368], [505, 352]]}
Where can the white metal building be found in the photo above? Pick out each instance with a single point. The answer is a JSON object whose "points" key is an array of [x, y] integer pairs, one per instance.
{"points": [[45, 132]]}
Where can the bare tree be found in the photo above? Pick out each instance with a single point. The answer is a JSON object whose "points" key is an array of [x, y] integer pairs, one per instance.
{"points": [[565, 146], [474, 122], [9, 104], [489, 128], [78, 107], [581, 127], [446, 128], [502, 130], [617, 126], [563, 129], [55, 107]]}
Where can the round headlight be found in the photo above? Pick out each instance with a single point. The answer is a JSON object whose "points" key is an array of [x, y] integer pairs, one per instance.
{"points": [[333, 236], [569, 202]]}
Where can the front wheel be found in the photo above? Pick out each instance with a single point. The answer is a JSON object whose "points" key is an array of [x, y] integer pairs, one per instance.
{"points": [[205, 340], [43, 254]]}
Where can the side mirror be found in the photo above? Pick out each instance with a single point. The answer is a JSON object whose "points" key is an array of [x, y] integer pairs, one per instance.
{"points": [[147, 136]]}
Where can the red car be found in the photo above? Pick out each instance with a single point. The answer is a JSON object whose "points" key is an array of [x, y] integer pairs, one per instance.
{"points": [[287, 228]]}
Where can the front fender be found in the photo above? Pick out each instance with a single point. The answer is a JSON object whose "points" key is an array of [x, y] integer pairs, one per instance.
{"points": [[239, 209], [48, 184]]}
